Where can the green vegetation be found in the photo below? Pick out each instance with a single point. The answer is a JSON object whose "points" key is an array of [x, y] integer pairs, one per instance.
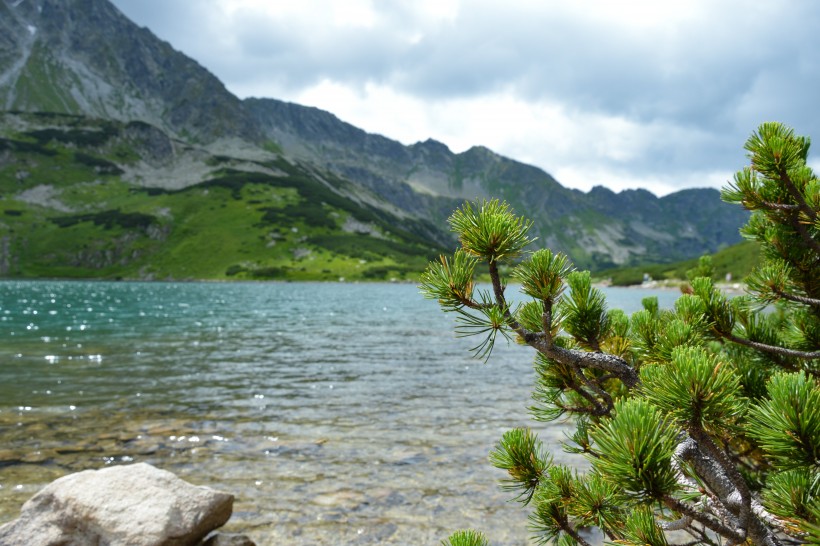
{"points": [[36, 83], [66, 211], [273, 147], [108, 219], [703, 419], [737, 260]]}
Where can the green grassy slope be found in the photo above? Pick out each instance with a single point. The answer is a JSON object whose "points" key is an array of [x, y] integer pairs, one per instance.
{"points": [[737, 260], [65, 211]]}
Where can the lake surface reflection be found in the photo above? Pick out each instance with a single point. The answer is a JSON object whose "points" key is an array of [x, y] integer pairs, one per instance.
{"points": [[336, 413]]}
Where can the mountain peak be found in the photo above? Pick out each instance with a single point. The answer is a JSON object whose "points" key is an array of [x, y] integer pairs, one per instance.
{"points": [[432, 145], [87, 58]]}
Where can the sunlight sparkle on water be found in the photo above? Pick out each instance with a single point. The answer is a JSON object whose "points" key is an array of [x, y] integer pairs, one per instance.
{"points": [[164, 375]]}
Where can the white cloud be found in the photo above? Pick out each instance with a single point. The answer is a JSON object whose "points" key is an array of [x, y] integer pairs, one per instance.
{"points": [[586, 178], [588, 148], [659, 95]]}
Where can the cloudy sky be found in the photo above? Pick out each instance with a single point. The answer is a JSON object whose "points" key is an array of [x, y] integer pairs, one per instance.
{"points": [[647, 94]]}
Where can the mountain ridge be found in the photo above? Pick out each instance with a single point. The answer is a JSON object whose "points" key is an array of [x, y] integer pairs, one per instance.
{"points": [[84, 58], [124, 73]]}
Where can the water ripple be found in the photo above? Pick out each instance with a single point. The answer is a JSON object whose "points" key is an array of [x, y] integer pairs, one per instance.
{"points": [[336, 413]]}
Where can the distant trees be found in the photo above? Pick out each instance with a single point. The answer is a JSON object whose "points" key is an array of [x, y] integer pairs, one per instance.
{"points": [[703, 419]]}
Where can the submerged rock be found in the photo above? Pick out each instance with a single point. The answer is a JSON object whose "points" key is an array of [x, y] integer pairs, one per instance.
{"points": [[228, 539], [118, 506]]}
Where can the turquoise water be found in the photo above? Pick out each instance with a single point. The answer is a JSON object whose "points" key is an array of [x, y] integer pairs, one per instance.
{"points": [[336, 413]]}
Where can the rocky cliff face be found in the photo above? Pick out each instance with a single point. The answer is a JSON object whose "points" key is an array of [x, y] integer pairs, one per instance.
{"points": [[84, 57], [598, 229]]}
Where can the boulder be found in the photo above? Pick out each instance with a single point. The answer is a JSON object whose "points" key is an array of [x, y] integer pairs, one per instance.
{"points": [[133, 505]]}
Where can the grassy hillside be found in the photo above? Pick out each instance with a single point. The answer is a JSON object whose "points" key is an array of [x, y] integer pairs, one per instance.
{"points": [[737, 260], [67, 211], [90, 198]]}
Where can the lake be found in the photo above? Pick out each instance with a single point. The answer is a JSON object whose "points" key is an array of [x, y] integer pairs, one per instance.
{"points": [[336, 413]]}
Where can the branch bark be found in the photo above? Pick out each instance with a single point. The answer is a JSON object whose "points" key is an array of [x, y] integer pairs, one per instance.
{"points": [[796, 195], [812, 302], [705, 442], [782, 351], [703, 518], [720, 475], [716, 479], [569, 357]]}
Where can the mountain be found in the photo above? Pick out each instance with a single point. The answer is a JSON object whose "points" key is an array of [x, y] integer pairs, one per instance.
{"points": [[730, 264], [103, 120], [74, 204], [85, 57], [597, 229]]}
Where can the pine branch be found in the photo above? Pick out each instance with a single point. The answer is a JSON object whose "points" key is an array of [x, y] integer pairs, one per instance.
{"points": [[730, 470], [803, 232], [604, 378], [571, 531], [582, 409], [600, 409], [678, 525], [710, 523], [498, 287], [680, 456], [570, 357], [546, 319], [713, 474], [797, 195], [584, 359], [782, 351], [813, 302], [694, 475], [596, 388], [701, 536], [802, 206], [792, 218], [778, 206]]}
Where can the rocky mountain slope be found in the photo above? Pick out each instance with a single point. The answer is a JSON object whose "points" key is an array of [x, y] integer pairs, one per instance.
{"points": [[598, 229], [85, 57], [172, 129], [75, 204]]}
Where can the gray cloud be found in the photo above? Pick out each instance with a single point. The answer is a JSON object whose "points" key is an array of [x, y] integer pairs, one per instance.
{"points": [[699, 81]]}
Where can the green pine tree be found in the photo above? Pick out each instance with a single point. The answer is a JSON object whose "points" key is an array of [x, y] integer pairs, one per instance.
{"points": [[703, 419]]}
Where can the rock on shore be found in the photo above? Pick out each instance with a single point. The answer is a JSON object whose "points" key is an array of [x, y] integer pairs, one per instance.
{"points": [[119, 506]]}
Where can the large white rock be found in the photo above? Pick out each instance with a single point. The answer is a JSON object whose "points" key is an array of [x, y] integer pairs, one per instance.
{"points": [[134, 505]]}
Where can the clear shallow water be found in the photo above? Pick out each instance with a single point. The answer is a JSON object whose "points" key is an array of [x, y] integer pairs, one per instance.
{"points": [[336, 413]]}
